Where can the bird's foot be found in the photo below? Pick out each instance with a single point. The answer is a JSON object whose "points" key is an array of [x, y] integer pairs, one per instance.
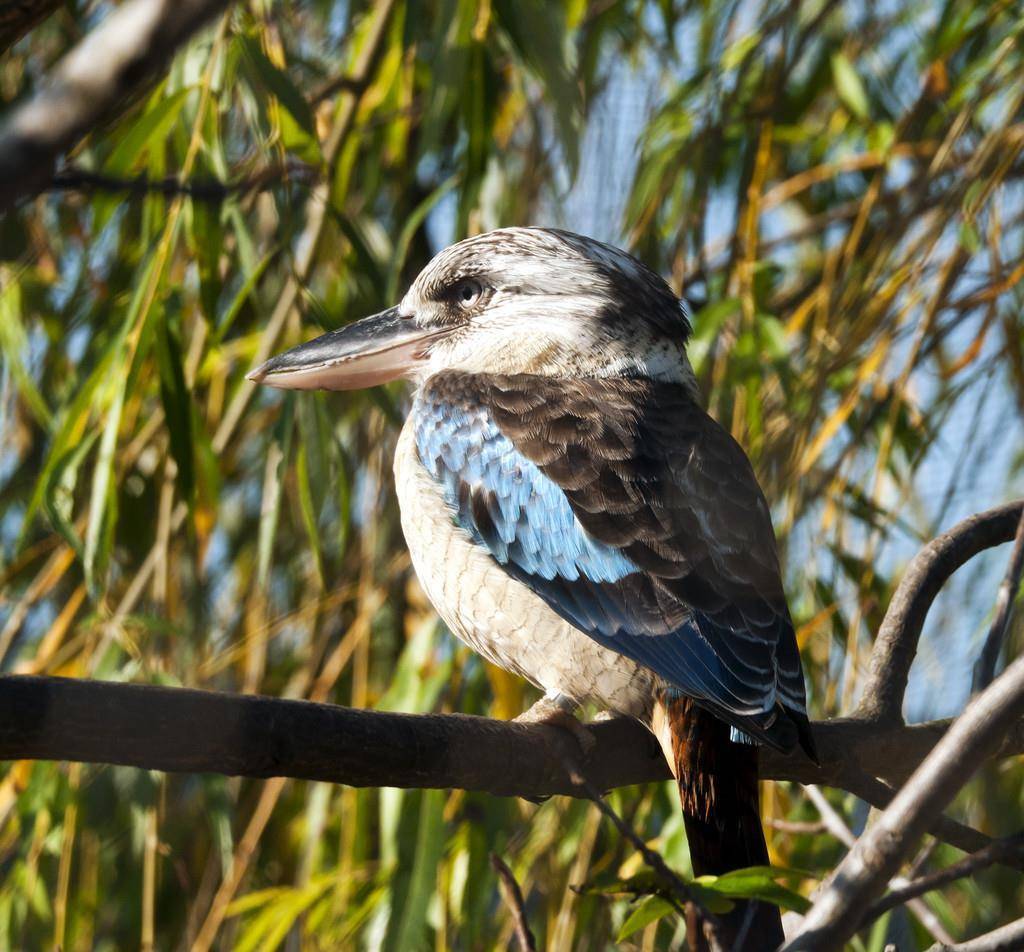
{"points": [[556, 710]]}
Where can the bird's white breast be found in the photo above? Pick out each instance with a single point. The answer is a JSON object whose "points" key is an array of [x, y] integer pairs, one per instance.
{"points": [[497, 615]]}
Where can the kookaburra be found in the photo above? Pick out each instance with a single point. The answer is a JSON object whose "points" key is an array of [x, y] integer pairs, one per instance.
{"points": [[576, 517]]}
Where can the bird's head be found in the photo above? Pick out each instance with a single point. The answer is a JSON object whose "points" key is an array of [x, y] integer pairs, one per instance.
{"points": [[516, 300]]}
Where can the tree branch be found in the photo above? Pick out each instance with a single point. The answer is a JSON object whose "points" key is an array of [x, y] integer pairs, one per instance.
{"points": [[74, 179], [184, 730], [1012, 847], [985, 668], [880, 795], [513, 897], [896, 643], [865, 870], [1006, 938], [129, 46], [838, 828]]}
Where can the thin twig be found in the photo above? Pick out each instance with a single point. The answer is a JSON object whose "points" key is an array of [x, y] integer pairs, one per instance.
{"points": [[1008, 938], [680, 895], [513, 897], [74, 179], [944, 828], [838, 828], [985, 668], [1000, 850], [795, 826], [923, 855]]}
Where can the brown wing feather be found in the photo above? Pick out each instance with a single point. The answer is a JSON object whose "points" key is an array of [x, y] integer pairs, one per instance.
{"points": [[648, 472]]}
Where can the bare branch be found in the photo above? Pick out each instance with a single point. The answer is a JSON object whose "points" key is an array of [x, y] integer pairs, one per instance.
{"points": [[877, 856], [74, 179], [998, 851], [985, 668], [513, 897], [130, 45], [838, 828], [796, 827], [1006, 938], [678, 893], [183, 730], [896, 643], [957, 834]]}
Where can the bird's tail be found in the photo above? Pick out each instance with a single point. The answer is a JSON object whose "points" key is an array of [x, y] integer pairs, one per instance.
{"points": [[718, 790]]}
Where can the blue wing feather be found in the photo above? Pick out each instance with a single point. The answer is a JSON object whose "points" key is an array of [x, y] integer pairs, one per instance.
{"points": [[534, 526], [526, 522]]}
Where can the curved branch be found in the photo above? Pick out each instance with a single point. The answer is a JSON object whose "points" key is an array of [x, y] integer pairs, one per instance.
{"points": [[896, 643], [129, 46], [985, 668]]}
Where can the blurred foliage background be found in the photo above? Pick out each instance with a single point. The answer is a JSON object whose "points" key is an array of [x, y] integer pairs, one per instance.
{"points": [[836, 188]]}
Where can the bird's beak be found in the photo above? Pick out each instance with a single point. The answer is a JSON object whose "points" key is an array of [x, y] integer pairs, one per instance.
{"points": [[371, 351]]}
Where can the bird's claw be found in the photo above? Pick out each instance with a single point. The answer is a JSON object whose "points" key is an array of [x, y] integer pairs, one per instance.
{"points": [[558, 712]]}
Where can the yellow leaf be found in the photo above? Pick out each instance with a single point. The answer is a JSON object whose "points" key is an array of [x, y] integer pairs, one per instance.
{"points": [[833, 424]]}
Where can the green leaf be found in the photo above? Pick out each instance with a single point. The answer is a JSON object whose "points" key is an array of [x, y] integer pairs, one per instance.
{"points": [[236, 304], [308, 515], [409, 229], [149, 131], [279, 910], [737, 51], [72, 423], [416, 878], [207, 234], [969, 238], [848, 85], [14, 346], [101, 503], [757, 882], [60, 484], [536, 34], [647, 882], [647, 911], [177, 404], [299, 136], [707, 324], [270, 508], [772, 335]]}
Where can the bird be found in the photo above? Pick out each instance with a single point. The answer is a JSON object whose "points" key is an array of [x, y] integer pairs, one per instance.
{"points": [[577, 518]]}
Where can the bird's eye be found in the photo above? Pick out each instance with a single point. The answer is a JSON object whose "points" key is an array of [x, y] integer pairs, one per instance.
{"points": [[467, 293]]}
